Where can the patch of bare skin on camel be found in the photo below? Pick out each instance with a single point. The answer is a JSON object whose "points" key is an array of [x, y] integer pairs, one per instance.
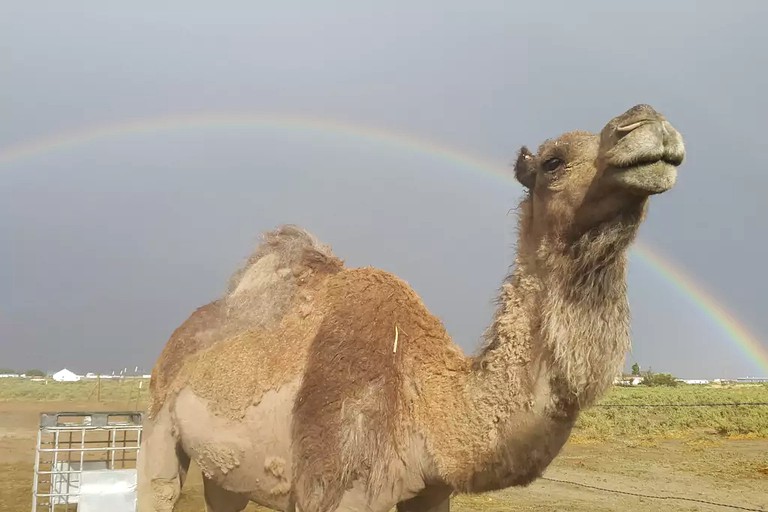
{"points": [[263, 470], [374, 370]]}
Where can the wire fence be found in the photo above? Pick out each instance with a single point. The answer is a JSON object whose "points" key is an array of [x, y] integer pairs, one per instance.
{"points": [[724, 404], [652, 496]]}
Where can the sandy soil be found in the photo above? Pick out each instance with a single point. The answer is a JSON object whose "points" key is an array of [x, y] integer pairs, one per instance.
{"points": [[723, 471]]}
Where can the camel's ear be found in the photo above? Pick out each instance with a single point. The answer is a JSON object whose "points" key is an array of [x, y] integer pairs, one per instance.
{"points": [[525, 170]]}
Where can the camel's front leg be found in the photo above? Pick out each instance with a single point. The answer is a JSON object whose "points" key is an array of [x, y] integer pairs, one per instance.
{"points": [[431, 499], [162, 466]]}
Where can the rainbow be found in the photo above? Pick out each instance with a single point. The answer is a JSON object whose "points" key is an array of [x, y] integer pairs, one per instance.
{"points": [[735, 329]]}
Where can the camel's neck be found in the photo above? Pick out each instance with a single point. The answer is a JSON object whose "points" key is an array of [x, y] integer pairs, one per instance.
{"points": [[558, 339], [561, 330]]}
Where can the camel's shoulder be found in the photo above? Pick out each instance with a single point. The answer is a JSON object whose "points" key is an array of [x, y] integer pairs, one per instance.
{"points": [[372, 307], [373, 286]]}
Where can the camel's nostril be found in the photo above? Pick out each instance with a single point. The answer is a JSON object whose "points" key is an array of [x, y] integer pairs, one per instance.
{"points": [[629, 127]]}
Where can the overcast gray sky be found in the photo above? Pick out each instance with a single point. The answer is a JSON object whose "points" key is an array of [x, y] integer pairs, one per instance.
{"points": [[108, 245]]}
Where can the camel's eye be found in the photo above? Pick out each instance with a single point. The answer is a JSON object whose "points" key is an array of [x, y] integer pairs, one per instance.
{"points": [[553, 164]]}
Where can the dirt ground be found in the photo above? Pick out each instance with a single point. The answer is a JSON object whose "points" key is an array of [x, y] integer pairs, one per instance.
{"points": [[729, 472]]}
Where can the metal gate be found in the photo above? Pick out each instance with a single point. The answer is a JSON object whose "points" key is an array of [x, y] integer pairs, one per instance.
{"points": [[86, 462]]}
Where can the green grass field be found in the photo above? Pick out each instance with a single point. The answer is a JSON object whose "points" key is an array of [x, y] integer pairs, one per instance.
{"points": [[112, 390], [615, 417]]}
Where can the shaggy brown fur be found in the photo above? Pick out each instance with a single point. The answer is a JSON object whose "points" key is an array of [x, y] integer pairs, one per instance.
{"points": [[351, 395], [189, 338], [388, 407], [259, 296], [353, 355]]}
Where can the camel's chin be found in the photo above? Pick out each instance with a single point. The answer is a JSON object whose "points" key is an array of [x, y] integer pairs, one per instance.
{"points": [[646, 179]]}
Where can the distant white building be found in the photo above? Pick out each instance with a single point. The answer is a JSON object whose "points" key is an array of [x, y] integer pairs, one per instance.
{"points": [[752, 380], [65, 375], [632, 380], [694, 381]]}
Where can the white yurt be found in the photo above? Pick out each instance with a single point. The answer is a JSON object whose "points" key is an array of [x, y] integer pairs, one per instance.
{"points": [[65, 375]]}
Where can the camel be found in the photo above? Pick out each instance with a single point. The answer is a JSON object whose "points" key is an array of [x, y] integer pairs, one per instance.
{"points": [[313, 387]]}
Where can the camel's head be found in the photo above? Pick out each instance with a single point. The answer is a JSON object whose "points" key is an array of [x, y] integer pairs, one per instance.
{"points": [[582, 180]]}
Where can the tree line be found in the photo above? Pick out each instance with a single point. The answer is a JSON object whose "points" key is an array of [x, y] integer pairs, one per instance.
{"points": [[29, 373]]}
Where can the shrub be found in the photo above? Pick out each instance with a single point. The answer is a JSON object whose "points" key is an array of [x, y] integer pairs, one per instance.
{"points": [[658, 379]]}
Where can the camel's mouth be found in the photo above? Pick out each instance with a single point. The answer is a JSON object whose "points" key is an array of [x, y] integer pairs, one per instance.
{"points": [[673, 160], [643, 154], [647, 177]]}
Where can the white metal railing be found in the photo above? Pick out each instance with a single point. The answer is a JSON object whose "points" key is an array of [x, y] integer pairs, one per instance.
{"points": [[94, 447]]}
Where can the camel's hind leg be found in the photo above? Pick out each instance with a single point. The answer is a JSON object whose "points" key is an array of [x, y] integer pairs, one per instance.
{"points": [[218, 499], [431, 499], [162, 466]]}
